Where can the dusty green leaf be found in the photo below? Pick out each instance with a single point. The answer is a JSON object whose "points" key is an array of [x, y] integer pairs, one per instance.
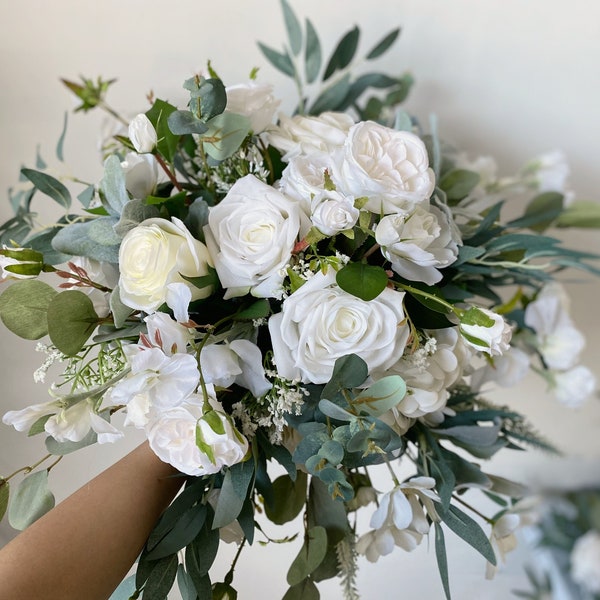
{"points": [[289, 498], [31, 500], [310, 556], [50, 186], [4, 496]]}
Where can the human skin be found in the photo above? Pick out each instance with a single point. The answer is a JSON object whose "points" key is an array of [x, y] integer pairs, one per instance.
{"points": [[85, 546]]}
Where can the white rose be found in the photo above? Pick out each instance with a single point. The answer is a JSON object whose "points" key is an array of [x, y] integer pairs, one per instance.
{"points": [[251, 234], [306, 135], [390, 167], [155, 254], [332, 212], [255, 101], [585, 561], [320, 323], [486, 331], [142, 134], [417, 243], [141, 174]]}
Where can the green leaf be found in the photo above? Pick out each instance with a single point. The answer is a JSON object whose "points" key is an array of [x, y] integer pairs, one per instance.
{"points": [[293, 28], [161, 578], [311, 555], [113, 186], [282, 62], [332, 97], [312, 53], [4, 495], [343, 53], [184, 531], [541, 212], [349, 371], [362, 280], [442, 559], [258, 310], [61, 139], [323, 510], [459, 183], [24, 306], [305, 590], [62, 448], [125, 590], [289, 498], [31, 500], [182, 122], [132, 214], [71, 321], [225, 134], [467, 529], [383, 46], [86, 197], [580, 214], [332, 451], [382, 396], [201, 553], [186, 584], [50, 186], [332, 410], [167, 140], [120, 312], [95, 239], [233, 493]]}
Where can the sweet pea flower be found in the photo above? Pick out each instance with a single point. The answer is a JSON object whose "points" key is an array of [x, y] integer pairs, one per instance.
{"points": [[142, 134], [573, 386], [585, 561], [141, 174]]}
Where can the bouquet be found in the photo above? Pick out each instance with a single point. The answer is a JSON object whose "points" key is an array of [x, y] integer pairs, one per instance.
{"points": [[282, 303]]}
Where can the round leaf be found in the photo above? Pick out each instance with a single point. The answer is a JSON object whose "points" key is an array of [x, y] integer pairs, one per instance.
{"points": [[361, 280], [23, 308], [71, 321], [381, 396], [31, 500]]}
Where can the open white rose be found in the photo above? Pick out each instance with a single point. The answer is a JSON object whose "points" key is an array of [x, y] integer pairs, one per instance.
{"points": [[250, 235], [486, 331], [141, 174], [155, 254], [306, 135], [332, 212], [255, 101], [417, 243], [320, 323], [142, 134], [390, 167]]}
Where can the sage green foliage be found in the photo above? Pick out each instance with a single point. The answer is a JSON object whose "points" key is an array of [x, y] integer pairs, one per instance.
{"points": [[31, 500], [4, 496]]}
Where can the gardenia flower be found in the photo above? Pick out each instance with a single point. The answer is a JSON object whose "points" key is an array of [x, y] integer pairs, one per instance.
{"points": [[142, 134], [585, 561], [255, 101], [486, 331], [154, 255], [238, 361], [417, 243], [250, 235], [332, 212], [141, 174], [390, 167], [320, 323], [400, 519], [306, 135]]}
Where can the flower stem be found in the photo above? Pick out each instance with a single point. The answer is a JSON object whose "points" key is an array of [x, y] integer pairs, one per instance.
{"points": [[472, 509], [229, 577], [168, 171], [28, 469]]}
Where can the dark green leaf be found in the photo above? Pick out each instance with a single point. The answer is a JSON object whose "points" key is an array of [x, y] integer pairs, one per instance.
{"points": [[71, 321], [61, 139], [323, 510], [459, 183], [258, 310], [213, 98], [161, 578], [293, 28], [382, 46], [4, 495], [335, 411], [442, 559], [167, 140], [349, 371], [182, 122], [201, 553], [580, 214], [312, 53], [186, 584], [377, 80], [31, 500], [541, 212], [332, 98], [305, 590], [362, 280], [50, 186], [42, 242], [289, 498], [281, 62], [466, 528], [311, 555], [233, 493], [24, 306], [343, 53]]}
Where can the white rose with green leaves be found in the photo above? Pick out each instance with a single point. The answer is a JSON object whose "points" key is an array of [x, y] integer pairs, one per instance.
{"points": [[485, 331], [250, 235], [255, 101], [390, 167], [153, 256], [320, 323]]}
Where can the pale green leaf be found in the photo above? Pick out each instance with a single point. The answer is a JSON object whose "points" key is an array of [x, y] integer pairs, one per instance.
{"points": [[4, 496], [281, 62], [125, 590], [225, 134], [312, 53], [183, 122], [382, 396], [442, 559], [50, 186], [293, 27], [31, 500], [62, 448], [61, 139], [332, 97]]}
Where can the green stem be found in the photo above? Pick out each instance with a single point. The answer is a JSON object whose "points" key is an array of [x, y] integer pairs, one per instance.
{"points": [[229, 577], [423, 294], [160, 160], [28, 469], [113, 113]]}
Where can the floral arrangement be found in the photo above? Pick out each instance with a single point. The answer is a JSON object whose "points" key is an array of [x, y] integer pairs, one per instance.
{"points": [[566, 540], [326, 291]]}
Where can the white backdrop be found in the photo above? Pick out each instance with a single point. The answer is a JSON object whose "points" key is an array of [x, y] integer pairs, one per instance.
{"points": [[510, 78]]}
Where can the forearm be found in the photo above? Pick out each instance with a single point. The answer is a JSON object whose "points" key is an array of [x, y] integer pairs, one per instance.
{"points": [[86, 545]]}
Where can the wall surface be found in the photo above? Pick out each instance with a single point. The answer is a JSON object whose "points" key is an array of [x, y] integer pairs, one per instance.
{"points": [[508, 78]]}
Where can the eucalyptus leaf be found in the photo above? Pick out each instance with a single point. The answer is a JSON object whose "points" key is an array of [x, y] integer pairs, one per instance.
{"points": [[42, 242], [61, 139], [312, 53], [132, 214], [24, 308], [305, 590], [233, 493], [293, 27], [115, 195], [289, 497], [71, 321], [349, 371], [343, 54], [31, 500], [186, 584], [282, 62], [311, 555], [331, 98], [95, 239], [334, 411], [125, 590], [362, 280], [4, 496], [161, 578], [473, 435], [201, 553], [225, 134], [384, 45], [87, 196], [382, 396], [182, 122], [442, 559], [62, 448], [120, 312], [50, 186], [459, 183]]}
